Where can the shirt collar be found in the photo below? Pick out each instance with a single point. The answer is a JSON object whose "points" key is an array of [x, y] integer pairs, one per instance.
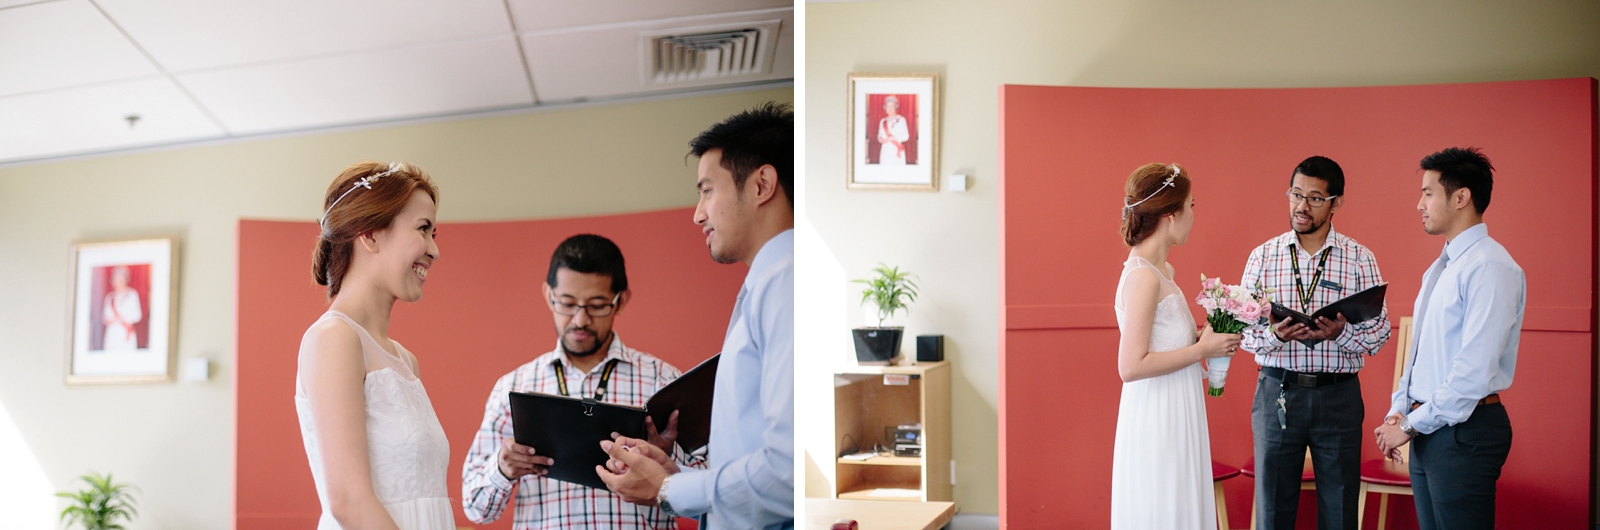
{"points": [[1335, 239], [615, 351], [774, 253], [1466, 239]]}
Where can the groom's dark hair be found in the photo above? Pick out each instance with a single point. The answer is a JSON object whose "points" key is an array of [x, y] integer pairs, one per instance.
{"points": [[1464, 168], [760, 136], [1324, 169]]}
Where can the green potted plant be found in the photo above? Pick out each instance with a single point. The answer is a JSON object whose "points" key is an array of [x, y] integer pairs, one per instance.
{"points": [[890, 291], [99, 506]]}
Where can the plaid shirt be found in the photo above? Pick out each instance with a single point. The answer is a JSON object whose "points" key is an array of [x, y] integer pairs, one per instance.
{"points": [[1350, 270], [546, 503]]}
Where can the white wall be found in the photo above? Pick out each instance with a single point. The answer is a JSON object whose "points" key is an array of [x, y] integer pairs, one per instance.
{"points": [[176, 441], [951, 239]]}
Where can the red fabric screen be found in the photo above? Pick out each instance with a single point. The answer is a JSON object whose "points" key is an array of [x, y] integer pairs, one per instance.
{"points": [[481, 316], [1066, 153]]}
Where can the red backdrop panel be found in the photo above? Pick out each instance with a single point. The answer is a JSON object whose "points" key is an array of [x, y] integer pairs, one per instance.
{"points": [[1065, 156], [483, 315]]}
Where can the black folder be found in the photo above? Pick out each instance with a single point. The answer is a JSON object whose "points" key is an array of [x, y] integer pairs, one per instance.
{"points": [[570, 429], [1360, 307], [690, 395]]}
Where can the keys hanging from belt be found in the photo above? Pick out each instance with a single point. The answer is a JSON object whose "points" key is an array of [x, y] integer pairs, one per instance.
{"points": [[1283, 412]]}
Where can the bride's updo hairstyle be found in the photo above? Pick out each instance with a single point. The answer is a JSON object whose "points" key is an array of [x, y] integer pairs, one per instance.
{"points": [[1149, 196], [363, 199]]}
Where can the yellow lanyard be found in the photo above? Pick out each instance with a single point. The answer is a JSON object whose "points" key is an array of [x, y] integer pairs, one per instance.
{"points": [[1294, 264], [599, 391]]}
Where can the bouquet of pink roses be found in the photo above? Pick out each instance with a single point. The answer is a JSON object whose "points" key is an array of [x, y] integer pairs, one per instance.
{"points": [[1229, 309]]}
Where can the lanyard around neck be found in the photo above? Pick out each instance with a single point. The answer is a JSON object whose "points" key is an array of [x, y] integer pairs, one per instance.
{"points": [[1294, 265], [599, 391]]}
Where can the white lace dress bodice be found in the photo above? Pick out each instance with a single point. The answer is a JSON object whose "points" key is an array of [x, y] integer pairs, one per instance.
{"points": [[1161, 461], [408, 454]]}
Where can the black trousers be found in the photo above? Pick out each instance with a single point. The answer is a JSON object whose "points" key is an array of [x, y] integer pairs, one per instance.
{"points": [[1454, 469], [1327, 419]]}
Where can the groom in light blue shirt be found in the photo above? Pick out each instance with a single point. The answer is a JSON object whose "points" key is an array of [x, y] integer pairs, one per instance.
{"points": [[746, 210], [1468, 323]]}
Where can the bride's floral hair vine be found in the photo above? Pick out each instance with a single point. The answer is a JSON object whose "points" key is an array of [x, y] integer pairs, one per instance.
{"points": [[365, 182], [1164, 185]]}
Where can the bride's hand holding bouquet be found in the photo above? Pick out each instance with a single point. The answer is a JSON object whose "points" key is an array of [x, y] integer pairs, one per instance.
{"points": [[1229, 310]]}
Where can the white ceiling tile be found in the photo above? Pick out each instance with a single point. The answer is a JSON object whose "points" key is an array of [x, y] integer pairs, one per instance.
{"points": [[607, 60], [187, 35], [364, 87], [88, 119], [532, 15], [63, 44]]}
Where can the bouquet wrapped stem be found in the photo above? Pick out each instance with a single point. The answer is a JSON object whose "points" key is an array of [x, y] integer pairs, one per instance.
{"points": [[1229, 309]]}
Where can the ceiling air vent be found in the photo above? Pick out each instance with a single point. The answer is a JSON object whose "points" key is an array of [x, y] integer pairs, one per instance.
{"points": [[714, 55]]}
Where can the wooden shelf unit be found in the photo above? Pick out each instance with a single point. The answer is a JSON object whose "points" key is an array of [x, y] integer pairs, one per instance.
{"points": [[864, 407]]}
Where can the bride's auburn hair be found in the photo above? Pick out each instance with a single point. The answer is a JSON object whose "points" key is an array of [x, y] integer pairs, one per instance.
{"points": [[1152, 198], [352, 210]]}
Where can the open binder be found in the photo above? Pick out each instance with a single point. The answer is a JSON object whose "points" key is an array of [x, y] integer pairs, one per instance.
{"points": [[569, 429], [1360, 307]]}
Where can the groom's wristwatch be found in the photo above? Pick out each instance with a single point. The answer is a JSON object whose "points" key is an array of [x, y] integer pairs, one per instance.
{"points": [[1405, 427], [661, 498]]}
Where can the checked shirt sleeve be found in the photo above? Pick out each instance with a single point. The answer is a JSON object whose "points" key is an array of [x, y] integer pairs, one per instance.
{"points": [[1258, 339], [1366, 337], [485, 492]]}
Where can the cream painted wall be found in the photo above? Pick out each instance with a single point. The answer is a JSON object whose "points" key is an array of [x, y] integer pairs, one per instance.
{"points": [[951, 239], [175, 441]]}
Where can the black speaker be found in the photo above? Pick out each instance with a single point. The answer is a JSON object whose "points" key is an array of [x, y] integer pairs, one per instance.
{"points": [[930, 348]]}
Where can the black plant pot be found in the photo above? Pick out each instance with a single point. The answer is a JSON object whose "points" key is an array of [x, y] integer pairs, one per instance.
{"points": [[877, 345]]}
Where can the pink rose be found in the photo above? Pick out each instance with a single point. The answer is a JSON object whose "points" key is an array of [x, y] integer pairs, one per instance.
{"points": [[1251, 311], [1232, 305], [1208, 304]]}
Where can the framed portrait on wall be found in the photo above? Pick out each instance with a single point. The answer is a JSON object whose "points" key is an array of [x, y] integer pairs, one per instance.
{"points": [[122, 321], [894, 132]]}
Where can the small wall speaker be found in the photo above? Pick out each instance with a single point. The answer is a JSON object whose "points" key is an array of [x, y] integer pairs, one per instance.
{"points": [[930, 348]]}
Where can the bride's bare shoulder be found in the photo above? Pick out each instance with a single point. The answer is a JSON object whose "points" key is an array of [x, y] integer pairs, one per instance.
{"points": [[1141, 283], [330, 335]]}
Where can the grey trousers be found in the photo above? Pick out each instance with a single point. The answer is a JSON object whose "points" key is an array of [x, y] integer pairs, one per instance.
{"points": [[1327, 419], [1454, 469]]}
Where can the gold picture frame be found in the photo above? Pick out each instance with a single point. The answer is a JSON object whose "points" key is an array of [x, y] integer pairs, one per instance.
{"points": [[122, 309], [892, 126]]}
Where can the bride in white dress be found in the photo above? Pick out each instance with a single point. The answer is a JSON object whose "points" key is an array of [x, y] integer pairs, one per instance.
{"points": [[378, 455], [1161, 464]]}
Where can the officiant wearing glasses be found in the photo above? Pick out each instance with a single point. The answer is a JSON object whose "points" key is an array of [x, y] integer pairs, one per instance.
{"points": [[1309, 396], [586, 289]]}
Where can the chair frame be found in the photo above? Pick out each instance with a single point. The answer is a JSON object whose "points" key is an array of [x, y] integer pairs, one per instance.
{"points": [[1404, 350]]}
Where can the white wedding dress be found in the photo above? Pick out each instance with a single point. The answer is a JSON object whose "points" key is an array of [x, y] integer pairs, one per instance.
{"points": [[1161, 463], [407, 451]]}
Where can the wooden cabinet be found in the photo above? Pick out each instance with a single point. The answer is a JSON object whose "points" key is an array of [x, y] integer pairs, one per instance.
{"points": [[869, 402]]}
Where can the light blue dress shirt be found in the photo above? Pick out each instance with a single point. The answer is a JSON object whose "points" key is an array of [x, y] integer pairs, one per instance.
{"points": [[749, 477], [1466, 332]]}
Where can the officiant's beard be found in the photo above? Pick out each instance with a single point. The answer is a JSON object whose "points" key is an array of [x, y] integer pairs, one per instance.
{"points": [[1314, 226], [573, 351]]}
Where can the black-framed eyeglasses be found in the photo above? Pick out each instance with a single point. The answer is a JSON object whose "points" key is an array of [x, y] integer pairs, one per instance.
{"points": [[593, 310], [1316, 202]]}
